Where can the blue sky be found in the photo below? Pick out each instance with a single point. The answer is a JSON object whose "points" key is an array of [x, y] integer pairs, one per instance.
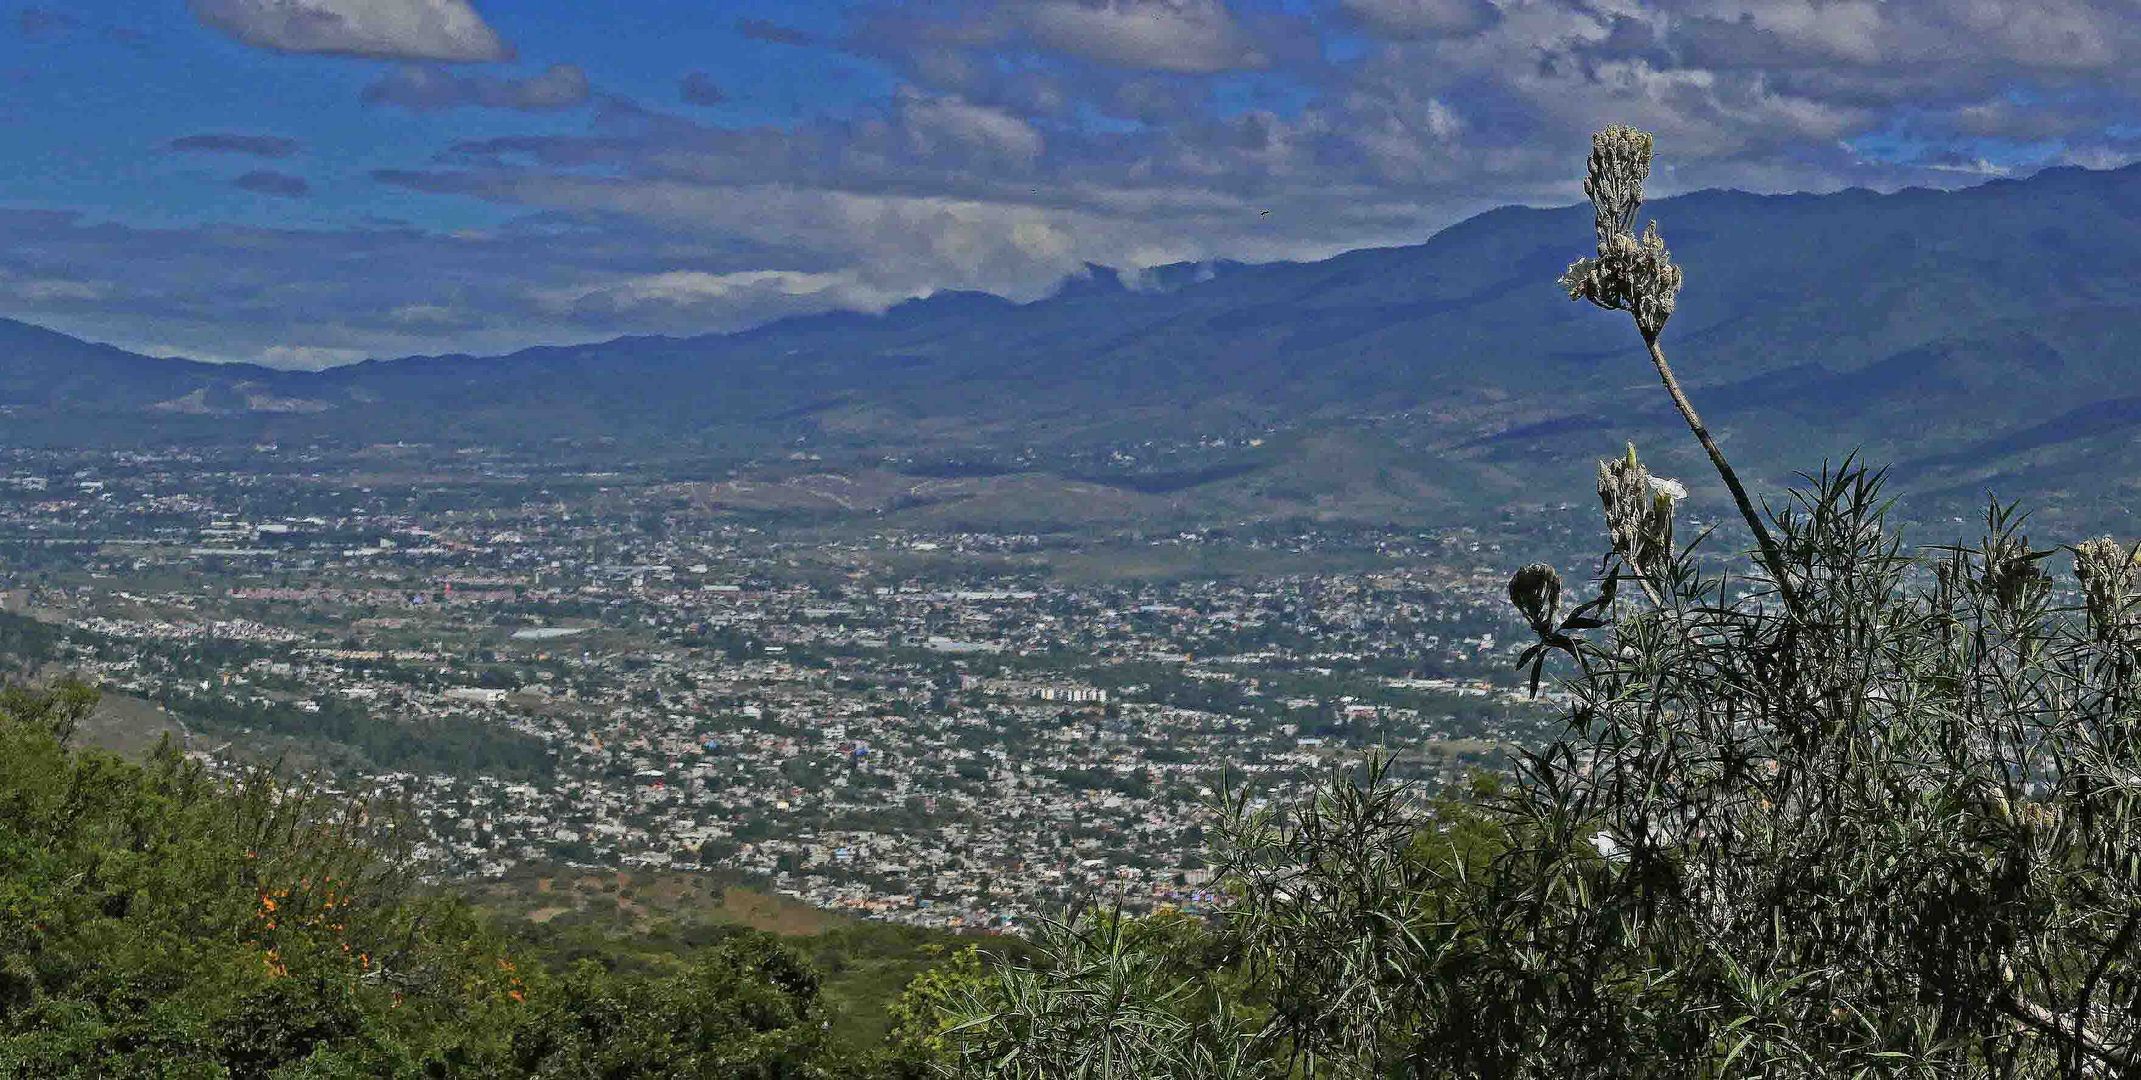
{"points": [[94, 88], [306, 182]]}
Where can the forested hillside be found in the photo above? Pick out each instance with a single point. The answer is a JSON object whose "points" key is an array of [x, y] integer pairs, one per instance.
{"points": [[155, 920]]}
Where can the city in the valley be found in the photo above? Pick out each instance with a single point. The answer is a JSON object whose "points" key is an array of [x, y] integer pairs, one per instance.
{"points": [[543, 661]]}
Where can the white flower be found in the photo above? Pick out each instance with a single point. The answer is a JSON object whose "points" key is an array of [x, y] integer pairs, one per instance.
{"points": [[1639, 511]]}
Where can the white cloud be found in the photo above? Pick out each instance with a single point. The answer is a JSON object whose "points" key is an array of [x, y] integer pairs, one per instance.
{"points": [[307, 357], [37, 290], [398, 29], [934, 124], [1193, 36], [561, 86], [1411, 17], [426, 316], [698, 300], [1849, 31], [911, 241], [694, 288]]}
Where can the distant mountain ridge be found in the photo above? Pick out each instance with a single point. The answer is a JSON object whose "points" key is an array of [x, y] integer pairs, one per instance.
{"points": [[1985, 336]]}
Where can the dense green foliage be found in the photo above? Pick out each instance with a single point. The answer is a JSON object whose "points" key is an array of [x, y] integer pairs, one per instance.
{"points": [[25, 642], [157, 920], [154, 918], [635, 923], [447, 744], [748, 1008]]}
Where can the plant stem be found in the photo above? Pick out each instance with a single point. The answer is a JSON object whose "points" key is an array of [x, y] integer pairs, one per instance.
{"points": [[1772, 555]]}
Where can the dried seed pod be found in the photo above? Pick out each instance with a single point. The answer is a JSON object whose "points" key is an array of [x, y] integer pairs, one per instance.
{"points": [[1536, 592]]}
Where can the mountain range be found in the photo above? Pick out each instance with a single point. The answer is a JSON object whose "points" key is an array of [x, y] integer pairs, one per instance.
{"points": [[1977, 339]]}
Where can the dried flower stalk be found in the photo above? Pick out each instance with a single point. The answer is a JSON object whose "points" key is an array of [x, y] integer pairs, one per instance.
{"points": [[1637, 275]]}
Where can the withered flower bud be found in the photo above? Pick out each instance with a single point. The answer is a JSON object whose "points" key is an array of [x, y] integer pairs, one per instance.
{"points": [[2106, 571], [2011, 573], [1536, 592]]}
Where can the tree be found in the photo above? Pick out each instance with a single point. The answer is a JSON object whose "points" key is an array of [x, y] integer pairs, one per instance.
{"points": [[746, 1008]]}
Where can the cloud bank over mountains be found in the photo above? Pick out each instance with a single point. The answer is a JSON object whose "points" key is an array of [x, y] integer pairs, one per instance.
{"points": [[1019, 140]]}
